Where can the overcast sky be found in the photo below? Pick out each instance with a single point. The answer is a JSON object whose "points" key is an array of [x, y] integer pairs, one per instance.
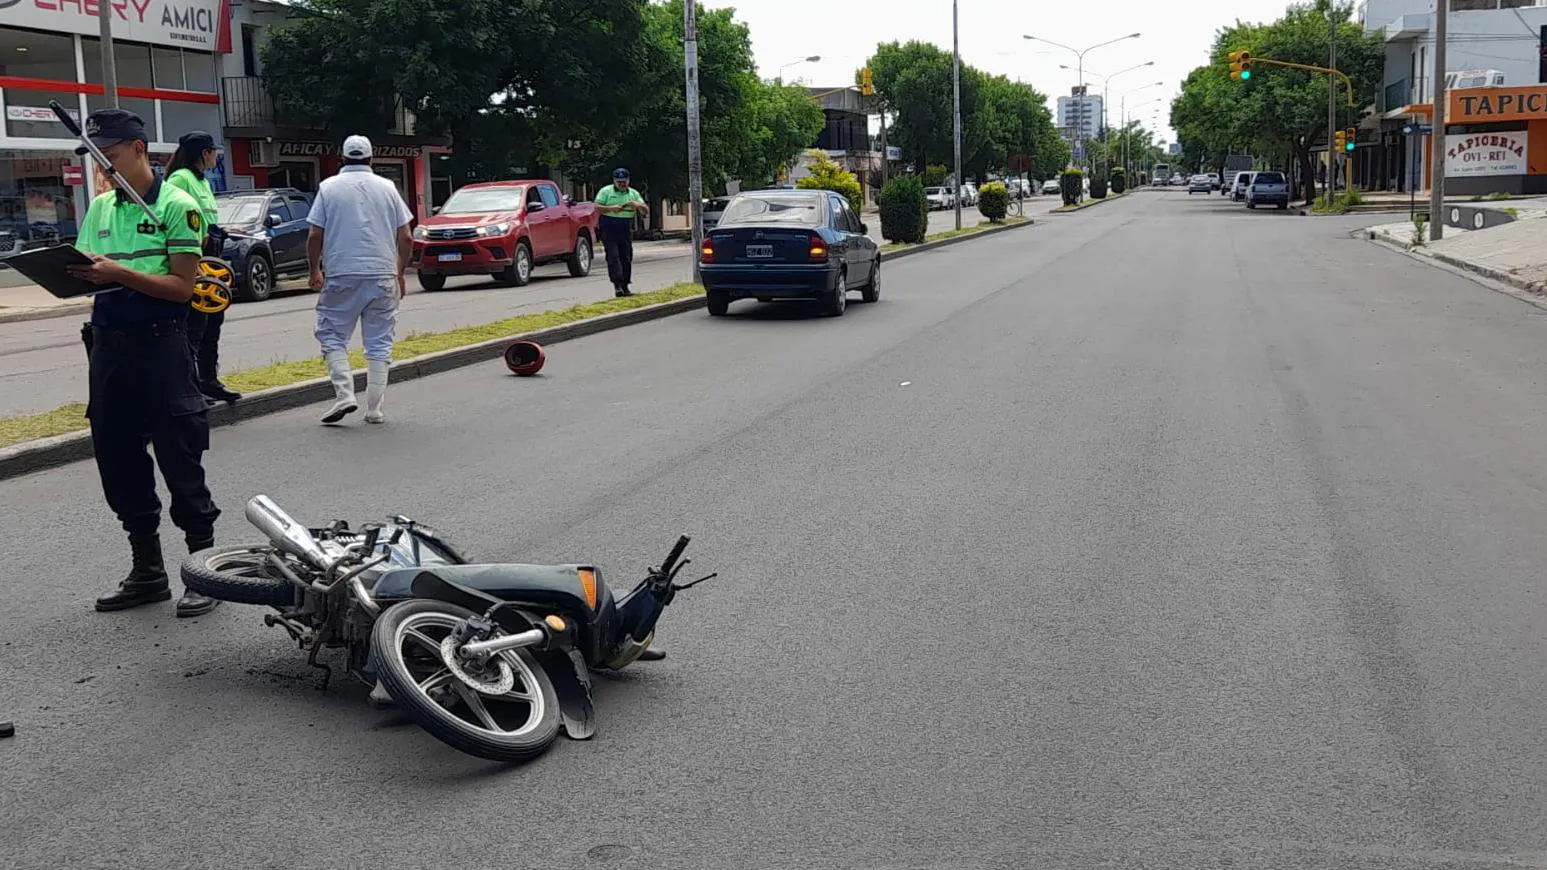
{"points": [[1176, 36]]}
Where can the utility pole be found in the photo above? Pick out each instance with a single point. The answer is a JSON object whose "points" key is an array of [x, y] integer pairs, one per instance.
{"points": [[1437, 135], [109, 68], [695, 156], [956, 102], [1332, 100]]}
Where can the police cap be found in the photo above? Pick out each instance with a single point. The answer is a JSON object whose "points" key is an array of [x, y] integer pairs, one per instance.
{"points": [[108, 127]]}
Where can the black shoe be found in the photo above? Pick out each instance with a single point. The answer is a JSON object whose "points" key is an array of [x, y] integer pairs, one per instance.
{"points": [[219, 392], [194, 604], [147, 581], [652, 655]]}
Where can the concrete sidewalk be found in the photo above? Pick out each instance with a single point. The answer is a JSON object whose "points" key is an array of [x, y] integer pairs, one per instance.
{"points": [[1513, 253]]}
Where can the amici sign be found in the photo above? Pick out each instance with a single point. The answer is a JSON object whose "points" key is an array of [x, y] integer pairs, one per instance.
{"points": [[202, 25]]}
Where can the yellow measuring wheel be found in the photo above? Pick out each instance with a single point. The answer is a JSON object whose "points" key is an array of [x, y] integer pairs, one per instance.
{"points": [[212, 286]]}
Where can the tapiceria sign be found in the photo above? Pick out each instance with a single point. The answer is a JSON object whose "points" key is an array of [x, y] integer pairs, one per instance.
{"points": [[203, 25], [1492, 105]]}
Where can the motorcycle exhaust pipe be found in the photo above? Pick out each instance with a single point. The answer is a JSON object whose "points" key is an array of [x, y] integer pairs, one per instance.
{"points": [[284, 532]]}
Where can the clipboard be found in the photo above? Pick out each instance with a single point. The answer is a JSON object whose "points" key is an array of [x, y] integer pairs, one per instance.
{"points": [[46, 267]]}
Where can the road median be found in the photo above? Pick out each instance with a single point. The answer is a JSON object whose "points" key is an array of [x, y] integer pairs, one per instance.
{"points": [[946, 238], [1089, 203]]}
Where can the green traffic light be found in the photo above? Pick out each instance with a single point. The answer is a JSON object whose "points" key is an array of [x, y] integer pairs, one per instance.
{"points": [[1245, 74]]}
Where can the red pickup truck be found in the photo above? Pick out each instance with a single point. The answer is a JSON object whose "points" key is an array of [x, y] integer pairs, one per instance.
{"points": [[504, 229]]}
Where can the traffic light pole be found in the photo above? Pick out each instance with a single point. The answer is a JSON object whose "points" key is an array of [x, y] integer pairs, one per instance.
{"points": [[1437, 135]]}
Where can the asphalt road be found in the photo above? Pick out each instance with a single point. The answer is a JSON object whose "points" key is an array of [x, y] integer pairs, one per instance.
{"points": [[43, 366], [1162, 534]]}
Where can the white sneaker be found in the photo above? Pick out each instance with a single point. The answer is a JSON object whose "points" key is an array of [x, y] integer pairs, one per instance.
{"points": [[343, 386]]}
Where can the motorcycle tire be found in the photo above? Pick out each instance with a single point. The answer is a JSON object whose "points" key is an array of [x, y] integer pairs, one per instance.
{"points": [[237, 574], [438, 719]]}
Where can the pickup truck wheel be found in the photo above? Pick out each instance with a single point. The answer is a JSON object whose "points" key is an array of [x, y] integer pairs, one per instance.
{"points": [[580, 260], [519, 273], [431, 281], [257, 282]]}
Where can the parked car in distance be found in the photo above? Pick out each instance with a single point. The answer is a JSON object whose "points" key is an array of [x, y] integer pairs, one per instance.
{"points": [[940, 197], [1051, 186], [795, 244], [713, 208], [1199, 184], [504, 229], [1214, 182], [1238, 192], [1268, 188], [266, 233]]}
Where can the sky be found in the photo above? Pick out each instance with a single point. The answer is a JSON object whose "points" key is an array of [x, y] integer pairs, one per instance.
{"points": [[1176, 36]]}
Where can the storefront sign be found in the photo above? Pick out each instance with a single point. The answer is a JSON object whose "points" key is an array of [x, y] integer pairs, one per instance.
{"points": [[38, 113], [74, 174], [1470, 154], [203, 25], [330, 149], [1491, 105]]}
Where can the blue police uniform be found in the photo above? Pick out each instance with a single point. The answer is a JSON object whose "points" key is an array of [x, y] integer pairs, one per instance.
{"points": [[144, 387]]}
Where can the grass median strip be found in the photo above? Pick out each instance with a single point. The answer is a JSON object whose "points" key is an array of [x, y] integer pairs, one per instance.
{"points": [[1012, 220], [70, 418], [1090, 202]]}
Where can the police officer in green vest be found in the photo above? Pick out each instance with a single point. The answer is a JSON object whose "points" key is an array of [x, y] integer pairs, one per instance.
{"points": [[144, 388], [618, 203], [197, 154]]}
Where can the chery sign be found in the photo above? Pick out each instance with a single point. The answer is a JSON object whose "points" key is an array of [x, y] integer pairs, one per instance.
{"points": [[202, 25]]}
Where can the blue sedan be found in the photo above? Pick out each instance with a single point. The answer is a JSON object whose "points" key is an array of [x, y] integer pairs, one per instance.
{"points": [[789, 244]]}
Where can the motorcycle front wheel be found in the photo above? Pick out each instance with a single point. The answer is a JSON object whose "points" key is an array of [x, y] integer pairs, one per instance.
{"points": [[506, 711]]}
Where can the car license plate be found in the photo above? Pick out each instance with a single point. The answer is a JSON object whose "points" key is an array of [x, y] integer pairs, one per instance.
{"points": [[760, 251], [450, 258]]}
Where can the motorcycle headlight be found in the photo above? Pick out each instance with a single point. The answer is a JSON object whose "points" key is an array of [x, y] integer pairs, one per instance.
{"points": [[421, 233], [494, 229]]}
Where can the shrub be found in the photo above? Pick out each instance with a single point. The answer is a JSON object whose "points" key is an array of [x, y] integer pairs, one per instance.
{"points": [[994, 200], [1098, 187], [934, 175], [904, 211], [1119, 181], [827, 175], [1071, 184]]}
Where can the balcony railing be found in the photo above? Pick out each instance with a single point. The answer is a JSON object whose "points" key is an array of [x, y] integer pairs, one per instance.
{"points": [[246, 103]]}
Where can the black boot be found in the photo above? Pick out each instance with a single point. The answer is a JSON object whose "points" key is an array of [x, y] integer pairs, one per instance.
{"points": [[209, 378], [192, 603], [147, 580]]}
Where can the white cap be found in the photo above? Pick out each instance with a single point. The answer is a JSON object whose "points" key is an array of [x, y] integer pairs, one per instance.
{"points": [[357, 148]]}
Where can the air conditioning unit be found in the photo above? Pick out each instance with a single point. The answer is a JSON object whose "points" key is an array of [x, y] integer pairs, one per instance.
{"points": [[262, 153]]}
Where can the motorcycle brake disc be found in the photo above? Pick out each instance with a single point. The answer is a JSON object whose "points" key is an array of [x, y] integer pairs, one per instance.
{"points": [[504, 679]]}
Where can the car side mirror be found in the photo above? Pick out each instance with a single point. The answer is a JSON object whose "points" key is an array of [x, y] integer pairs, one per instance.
{"points": [[272, 221], [569, 200], [535, 206], [434, 209], [864, 229]]}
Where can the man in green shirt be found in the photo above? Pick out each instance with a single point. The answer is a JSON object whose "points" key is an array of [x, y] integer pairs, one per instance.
{"points": [[618, 203]]}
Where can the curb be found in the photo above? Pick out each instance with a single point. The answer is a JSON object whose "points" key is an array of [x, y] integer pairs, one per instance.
{"points": [[52, 311], [1090, 204], [943, 243], [30, 456], [1499, 281]]}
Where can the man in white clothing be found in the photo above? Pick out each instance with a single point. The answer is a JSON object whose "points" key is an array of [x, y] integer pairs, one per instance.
{"points": [[358, 248]]}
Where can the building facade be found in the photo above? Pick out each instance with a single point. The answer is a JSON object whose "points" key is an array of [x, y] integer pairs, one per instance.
{"points": [[1081, 113], [166, 56], [845, 137]]}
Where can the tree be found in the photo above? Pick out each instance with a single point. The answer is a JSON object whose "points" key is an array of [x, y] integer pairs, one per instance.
{"points": [[1280, 113], [913, 82], [782, 122], [827, 175]]}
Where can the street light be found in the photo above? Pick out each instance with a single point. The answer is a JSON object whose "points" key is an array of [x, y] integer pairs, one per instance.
{"points": [[812, 59], [1125, 134], [1080, 55]]}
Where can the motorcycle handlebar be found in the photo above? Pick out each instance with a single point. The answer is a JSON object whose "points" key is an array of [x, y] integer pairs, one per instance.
{"points": [[674, 555]]}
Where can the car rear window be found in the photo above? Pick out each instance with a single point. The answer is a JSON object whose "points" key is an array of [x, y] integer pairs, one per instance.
{"points": [[717, 204], [797, 209], [1269, 177]]}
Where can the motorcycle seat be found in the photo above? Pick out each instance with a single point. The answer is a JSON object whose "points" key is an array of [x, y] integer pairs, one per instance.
{"points": [[555, 586]]}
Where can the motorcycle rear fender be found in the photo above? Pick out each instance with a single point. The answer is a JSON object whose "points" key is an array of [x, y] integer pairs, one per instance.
{"points": [[571, 680]]}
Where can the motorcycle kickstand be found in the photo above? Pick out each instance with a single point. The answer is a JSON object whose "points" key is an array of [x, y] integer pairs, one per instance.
{"points": [[327, 670]]}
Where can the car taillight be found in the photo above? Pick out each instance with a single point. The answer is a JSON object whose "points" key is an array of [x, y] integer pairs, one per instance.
{"points": [[706, 253], [818, 249]]}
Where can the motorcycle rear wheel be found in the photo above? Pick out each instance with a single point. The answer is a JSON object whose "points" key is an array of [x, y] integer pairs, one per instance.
{"points": [[238, 574], [431, 694]]}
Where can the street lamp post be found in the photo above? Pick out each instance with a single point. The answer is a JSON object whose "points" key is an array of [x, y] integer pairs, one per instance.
{"points": [[812, 59], [1127, 167], [1080, 56], [956, 111], [1106, 83]]}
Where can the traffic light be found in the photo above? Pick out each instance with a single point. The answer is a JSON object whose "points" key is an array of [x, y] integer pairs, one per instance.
{"points": [[1341, 142], [866, 84], [1241, 65], [1349, 136]]}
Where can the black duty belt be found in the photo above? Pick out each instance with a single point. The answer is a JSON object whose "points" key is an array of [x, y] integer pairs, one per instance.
{"points": [[141, 334]]}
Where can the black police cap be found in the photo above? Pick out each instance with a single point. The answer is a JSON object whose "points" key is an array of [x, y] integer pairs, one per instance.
{"points": [[108, 127], [196, 142]]}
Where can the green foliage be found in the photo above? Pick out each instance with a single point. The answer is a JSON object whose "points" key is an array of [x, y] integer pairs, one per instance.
{"points": [[1098, 186], [1119, 180], [904, 210], [934, 175], [994, 200], [827, 175], [1072, 185]]}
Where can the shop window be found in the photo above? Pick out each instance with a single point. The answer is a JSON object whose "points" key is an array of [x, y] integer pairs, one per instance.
{"points": [[133, 63], [199, 71], [36, 207], [167, 68], [146, 109], [35, 55], [178, 118]]}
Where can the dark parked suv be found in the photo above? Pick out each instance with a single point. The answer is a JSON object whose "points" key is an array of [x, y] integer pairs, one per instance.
{"points": [[267, 241]]}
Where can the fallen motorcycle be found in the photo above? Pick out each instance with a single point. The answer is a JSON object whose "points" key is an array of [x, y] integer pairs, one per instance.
{"points": [[493, 659]]}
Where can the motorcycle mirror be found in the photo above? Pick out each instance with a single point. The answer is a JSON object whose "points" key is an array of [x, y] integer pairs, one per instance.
{"points": [[371, 536]]}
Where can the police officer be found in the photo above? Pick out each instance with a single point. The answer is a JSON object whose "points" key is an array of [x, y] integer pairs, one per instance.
{"points": [[618, 203], [144, 388], [197, 154]]}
